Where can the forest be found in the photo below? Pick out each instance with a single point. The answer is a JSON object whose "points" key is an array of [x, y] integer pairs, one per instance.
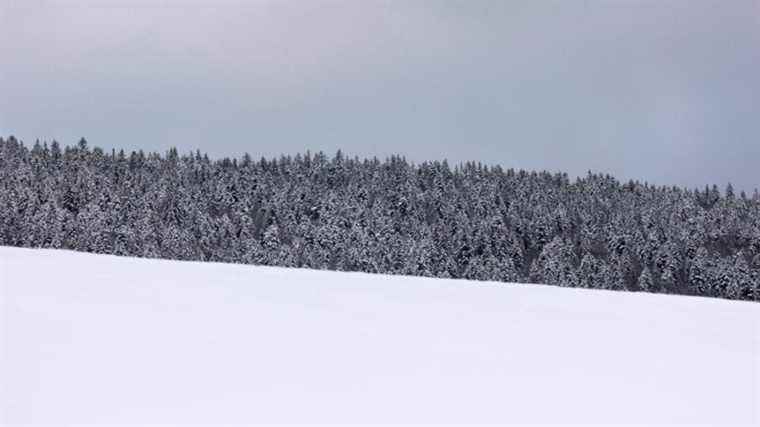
{"points": [[387, 216]]}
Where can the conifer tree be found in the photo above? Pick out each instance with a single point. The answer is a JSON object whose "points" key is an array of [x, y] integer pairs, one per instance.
{"points": [[391, 216], [646, 281]]}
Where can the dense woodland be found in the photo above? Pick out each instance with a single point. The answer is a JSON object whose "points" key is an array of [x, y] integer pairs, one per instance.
{"points": [[339, 213]]}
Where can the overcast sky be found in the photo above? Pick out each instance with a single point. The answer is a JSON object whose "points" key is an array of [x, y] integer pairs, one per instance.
{"points": [[662, 91]]}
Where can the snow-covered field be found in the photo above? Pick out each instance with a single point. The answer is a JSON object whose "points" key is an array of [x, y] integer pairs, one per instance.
{"points": [[100, 339]]}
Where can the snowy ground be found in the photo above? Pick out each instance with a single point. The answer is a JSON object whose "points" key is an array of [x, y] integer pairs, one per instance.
{"points": [[100, 339]]}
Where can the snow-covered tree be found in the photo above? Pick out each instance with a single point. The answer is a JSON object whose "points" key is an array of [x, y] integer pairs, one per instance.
{"points": [[382, 216], [646, 281]]}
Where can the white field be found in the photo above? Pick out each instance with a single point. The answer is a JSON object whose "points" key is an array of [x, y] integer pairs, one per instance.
{"points": [[107, 340]]}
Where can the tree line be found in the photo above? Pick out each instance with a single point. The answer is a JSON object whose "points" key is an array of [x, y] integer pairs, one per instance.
{"points": [[395, 217]]}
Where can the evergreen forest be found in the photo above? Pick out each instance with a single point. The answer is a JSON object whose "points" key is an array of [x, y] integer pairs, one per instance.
{"points": [[386, 216]]}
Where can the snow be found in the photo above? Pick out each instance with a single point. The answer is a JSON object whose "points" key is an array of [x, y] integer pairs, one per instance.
{"points": [[102, 339]]}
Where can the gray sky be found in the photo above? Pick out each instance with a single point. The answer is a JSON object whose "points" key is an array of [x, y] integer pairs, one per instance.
{"points": [[663, 91]]}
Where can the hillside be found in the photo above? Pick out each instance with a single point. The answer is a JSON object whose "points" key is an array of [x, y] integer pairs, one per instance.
{"points": [[103, 339], [468, 221]]}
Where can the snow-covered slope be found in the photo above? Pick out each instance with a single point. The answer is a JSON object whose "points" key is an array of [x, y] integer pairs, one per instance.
{"points": [[101, 339]]}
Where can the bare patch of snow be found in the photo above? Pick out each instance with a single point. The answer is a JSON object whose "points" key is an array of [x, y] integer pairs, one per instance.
{"points": [[101, 339]]}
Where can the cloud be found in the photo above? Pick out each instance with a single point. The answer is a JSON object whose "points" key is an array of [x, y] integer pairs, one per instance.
{"points": [[664, 92]]}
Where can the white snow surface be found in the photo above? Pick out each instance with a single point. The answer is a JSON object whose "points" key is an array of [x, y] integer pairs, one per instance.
{"points": [[110, 340]]}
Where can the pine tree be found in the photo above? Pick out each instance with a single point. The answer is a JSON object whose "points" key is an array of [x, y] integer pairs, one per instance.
{"points": [[389, 216], [271, 244], [699, 278], [555, 264], [646, 281]]}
